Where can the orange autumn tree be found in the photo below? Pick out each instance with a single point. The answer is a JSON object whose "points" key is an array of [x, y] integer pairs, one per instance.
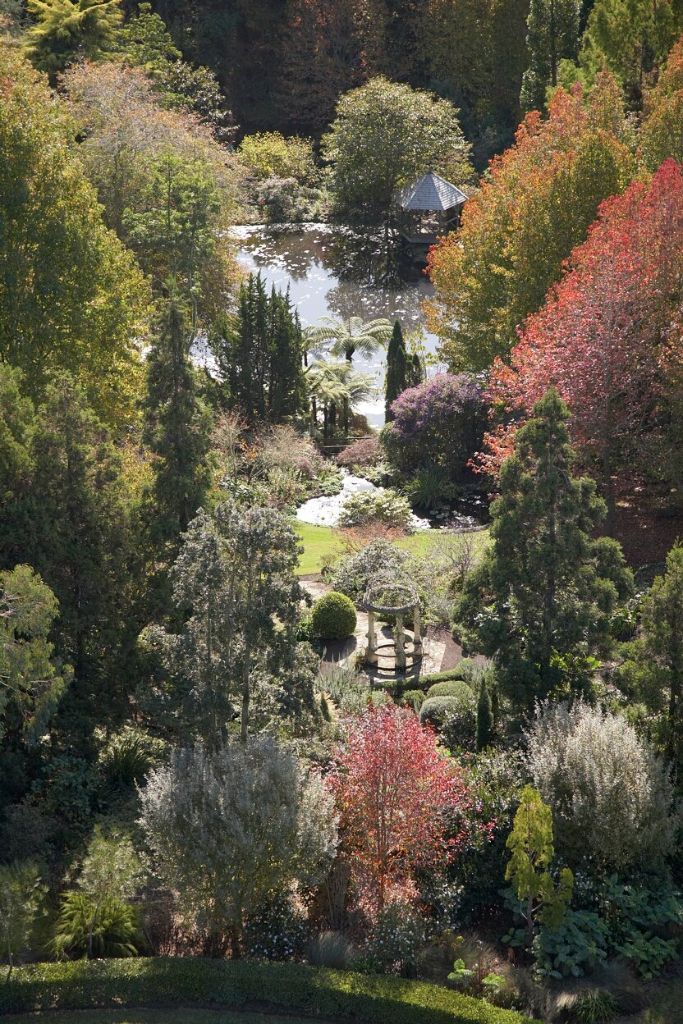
{"points": [[535, 205], [395, 790], [610, 339], [661, 135]]}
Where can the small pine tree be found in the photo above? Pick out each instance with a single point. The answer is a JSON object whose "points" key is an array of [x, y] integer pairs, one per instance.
{"points": [[484, 717], [396, 380]]}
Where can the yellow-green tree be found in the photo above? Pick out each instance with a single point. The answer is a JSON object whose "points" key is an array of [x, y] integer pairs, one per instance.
{"points": [[64, 30], [529, 869], [71, 297]]}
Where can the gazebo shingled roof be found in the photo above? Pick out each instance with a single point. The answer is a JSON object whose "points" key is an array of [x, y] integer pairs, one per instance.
{"points": [[431, 193]]}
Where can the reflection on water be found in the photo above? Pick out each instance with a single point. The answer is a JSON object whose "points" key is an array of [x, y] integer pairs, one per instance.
{"points": [[333, 272]]}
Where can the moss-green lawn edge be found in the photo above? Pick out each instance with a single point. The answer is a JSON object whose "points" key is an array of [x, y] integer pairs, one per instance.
{"points": [[289, 988]]}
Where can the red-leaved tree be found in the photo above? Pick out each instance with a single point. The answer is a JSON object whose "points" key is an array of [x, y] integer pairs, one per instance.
{"points": [[609, 339], [397, 794]]}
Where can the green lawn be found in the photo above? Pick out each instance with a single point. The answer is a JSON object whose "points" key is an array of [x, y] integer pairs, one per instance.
{"points": [[321, 541], [149, 1017]]}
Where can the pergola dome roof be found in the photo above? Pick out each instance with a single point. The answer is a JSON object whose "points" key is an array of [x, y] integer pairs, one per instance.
{"points": [[431, 193]]}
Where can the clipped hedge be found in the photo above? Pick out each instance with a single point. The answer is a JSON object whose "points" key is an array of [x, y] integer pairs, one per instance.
{"points": [[289, 988], [451, 688], [333, 616]]}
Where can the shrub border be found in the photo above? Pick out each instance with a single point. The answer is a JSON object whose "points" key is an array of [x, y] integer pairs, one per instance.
{"points": [[277, 987]]}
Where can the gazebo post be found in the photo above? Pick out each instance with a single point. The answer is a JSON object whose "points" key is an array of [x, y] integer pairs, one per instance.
{"points": [[417, 628], [371, 655], [400, 643]]}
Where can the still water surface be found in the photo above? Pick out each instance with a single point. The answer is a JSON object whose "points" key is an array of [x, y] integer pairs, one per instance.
{"points": [[331, 272]]}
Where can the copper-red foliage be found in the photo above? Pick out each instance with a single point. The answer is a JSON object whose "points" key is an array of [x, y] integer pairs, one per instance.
{"points": [[609, 335], [395, 789]]}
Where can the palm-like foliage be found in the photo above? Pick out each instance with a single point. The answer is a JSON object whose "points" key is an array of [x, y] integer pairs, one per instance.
{"points": [[346, 337], [336, 385]]}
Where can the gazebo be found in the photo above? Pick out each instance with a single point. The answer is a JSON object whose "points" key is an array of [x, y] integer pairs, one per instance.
{"points": [[428, 208], [395, 600]]}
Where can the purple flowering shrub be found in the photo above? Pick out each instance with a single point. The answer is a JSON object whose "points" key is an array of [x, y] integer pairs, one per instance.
{"points": [[438, 424]]}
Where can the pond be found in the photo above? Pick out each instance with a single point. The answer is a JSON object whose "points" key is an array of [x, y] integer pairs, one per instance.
{"points": [[331, 271]]}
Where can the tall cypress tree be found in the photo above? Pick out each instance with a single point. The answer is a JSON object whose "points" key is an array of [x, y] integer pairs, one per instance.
{"points": [[260, 355], [544, 593], [397, 370], [177, 427]]}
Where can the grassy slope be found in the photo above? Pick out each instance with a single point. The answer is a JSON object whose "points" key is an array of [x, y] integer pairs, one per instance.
{"points": [[321, 541]]}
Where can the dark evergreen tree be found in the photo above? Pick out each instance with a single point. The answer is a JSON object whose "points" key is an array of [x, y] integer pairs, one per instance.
{"points": [[552, 35], [484, 717], [542, 597], [396, 380], [71, 523], [259, 353], [177, 430]]}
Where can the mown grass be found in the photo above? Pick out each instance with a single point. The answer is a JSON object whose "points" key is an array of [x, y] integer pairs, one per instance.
{"points": [[320, 542]]}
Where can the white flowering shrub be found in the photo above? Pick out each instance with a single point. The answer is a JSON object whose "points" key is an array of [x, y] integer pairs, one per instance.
{"points": [[228, 829], [611, 795], [395, 942], [277, 931]]}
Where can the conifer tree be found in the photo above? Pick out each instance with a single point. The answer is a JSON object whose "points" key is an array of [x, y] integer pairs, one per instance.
{"points": [[260, 355], [552, 35], [397, 370], [177, 427], [546, 588], [415, 373]]}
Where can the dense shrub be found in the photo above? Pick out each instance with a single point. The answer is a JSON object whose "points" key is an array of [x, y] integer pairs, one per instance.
{"points": [[451, 688], [384, 506], [365, 452], [292, 988], [379, 558], [611, 796], [333, 616], [435, 709], [276, 931], [394, 944], [438, 424], [414, 699]]}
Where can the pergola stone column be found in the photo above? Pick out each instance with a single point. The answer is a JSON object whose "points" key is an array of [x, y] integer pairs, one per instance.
{"points": [[417, 628], [400, 643], [371, 654]]}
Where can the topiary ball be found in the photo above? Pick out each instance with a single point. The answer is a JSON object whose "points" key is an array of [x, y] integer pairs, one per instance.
{"points": [[333, 616]]}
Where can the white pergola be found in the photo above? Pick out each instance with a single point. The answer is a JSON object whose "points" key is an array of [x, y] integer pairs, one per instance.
{"points": [[394, 600]]}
